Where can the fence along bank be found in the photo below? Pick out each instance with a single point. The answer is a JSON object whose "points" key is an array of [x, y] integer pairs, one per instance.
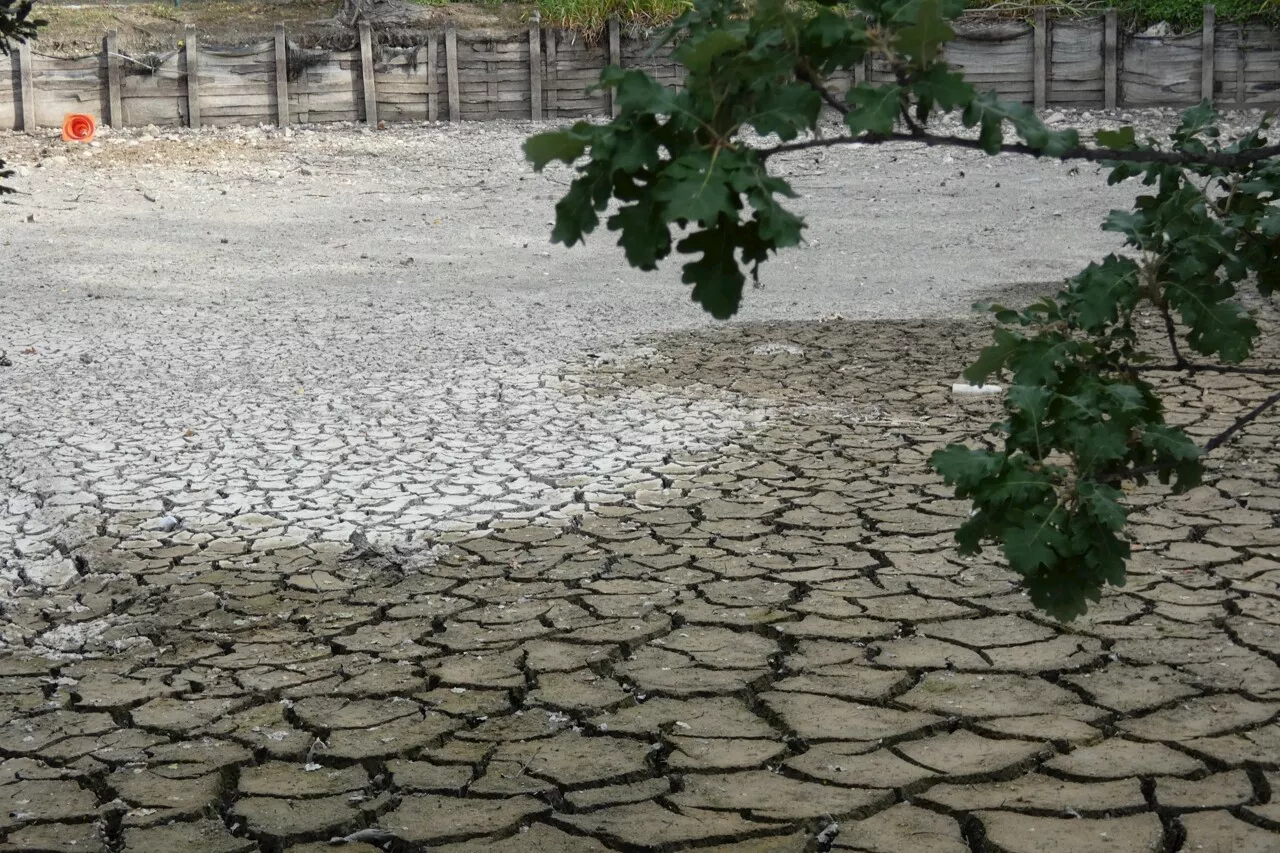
{"points": [[544, 74]]}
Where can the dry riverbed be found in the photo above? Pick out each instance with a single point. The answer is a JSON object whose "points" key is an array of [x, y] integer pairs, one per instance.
{"points": [[335, 502]]}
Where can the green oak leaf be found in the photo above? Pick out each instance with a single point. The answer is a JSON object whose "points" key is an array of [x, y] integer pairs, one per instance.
{"points": [[1122, 139], [947, 88], [1102, 291], [922, 40], [1035, 543], [966, 468], [716, 278], [576, 212], [1103, 503], [992, 359], [697, 54], [874, 108], [563, 145], [787, 111], [645, 237], [694, 188]]}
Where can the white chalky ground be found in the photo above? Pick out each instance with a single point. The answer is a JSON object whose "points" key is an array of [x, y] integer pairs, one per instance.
{"points": [[346, 331], [627, 589]]}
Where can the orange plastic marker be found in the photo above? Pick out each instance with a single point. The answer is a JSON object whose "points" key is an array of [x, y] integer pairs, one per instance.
{"points": [[78, 127]]}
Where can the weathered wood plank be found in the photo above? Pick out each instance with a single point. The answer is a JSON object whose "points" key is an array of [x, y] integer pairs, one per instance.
{"points": [[535, 71], [191, 61], [490, 100], [451, 70], [433, 82], [27, 85], [282, 78], [486, 47], [553, 76], [1242, 63], [1262, 67], [401, 88], [1160, 71], [486, 76], [1207, 53], [162, 112], [366, 75], [112, 48], [1076, 69], [615, 58], [1003, 63], [1110, 65], [402, 100], [1040, 60]]}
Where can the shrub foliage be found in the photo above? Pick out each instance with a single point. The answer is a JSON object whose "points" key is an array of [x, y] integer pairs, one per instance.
{"points": [[1081, 415]]}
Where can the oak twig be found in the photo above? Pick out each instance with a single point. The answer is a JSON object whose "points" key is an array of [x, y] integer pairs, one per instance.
{"points": [[1079, 152], [1241, 422]]}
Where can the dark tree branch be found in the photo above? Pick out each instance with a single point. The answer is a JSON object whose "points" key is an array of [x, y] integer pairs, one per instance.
{"points": [[1241, 422], [1079, 152], [1192, 367], [916, 130], [804, 75], [1172, 332]]}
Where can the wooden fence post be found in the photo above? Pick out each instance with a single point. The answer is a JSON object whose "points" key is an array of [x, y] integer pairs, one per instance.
{"points": [[535, 70], [491, 87], [1206, 53], [615, 58], [111, 47], [366, 75], [1040, 59], [27, 84], [1110, 72], [282, 78], [451, 71], [191, 57], [433, 80], [553, 77], [1242, 56]]}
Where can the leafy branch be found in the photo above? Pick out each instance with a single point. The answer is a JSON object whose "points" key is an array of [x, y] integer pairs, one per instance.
{"points": [[16, 26], [1192, 368], [1241, 422], [1080, 418], [1078, 152]]}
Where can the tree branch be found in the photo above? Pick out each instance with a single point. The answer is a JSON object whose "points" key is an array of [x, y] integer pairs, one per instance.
{"points": [[1241, 422], [1079, 152], [805, 75], [1178, 360], [1192, 367]]}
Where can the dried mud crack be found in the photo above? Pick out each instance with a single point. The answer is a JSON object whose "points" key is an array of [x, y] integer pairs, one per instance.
{"points": [[695, 592]]}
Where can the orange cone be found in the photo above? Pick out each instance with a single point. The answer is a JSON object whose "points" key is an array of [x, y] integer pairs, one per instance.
{"points": [[78, 127]]}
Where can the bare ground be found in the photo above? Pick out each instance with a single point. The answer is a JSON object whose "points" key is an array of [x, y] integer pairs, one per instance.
{"points": [[336, 503]]}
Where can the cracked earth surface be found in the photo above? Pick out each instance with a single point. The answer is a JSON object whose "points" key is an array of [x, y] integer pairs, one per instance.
{"points": [[287, 562]]}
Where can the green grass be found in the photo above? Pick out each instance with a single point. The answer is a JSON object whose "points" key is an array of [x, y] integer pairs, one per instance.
{"points": [[1184, 15], [590, 15]]}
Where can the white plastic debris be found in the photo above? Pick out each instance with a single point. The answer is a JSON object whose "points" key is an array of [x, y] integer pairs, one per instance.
{"points": [[961, 389]]}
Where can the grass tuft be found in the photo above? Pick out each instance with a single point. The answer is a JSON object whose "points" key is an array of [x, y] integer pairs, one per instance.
{"points": [[590, 16], [1183, 15]]}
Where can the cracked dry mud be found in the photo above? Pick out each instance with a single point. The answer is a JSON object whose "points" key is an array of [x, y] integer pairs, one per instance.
{"points": [[717, 608]]}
